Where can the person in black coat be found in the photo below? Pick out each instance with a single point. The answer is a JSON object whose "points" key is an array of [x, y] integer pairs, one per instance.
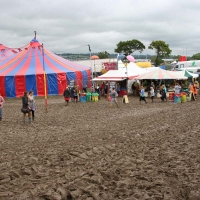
{"points": [[25, 107], [66, 95]]}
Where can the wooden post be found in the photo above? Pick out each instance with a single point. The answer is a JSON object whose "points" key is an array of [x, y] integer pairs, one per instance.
{"points": [[108, 91]]}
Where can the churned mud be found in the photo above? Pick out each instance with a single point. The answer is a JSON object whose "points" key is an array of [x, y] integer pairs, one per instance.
{"points": [[90, 151]]}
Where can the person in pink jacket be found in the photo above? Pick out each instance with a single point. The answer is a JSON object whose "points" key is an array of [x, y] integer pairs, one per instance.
{"points": [[1, 106]]}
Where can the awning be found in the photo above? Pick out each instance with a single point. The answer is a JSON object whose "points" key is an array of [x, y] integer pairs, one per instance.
{"points": [[108, 79]]}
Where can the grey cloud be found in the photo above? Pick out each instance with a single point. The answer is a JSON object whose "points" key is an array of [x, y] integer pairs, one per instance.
{"points": [[71, 26]]}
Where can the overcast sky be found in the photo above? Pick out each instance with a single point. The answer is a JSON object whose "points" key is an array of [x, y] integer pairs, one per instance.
{"points": [[70, 25]]}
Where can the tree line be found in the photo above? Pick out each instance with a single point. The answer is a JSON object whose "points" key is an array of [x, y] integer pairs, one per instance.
{"points": [[162, 50]]}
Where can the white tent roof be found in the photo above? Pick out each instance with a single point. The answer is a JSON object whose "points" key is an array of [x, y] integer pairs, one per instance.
{"points": [[123, 72]]}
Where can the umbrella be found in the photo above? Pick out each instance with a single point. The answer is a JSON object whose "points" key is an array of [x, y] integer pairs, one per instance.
{"points": [[120, 56], [94, 57], [130, 58]]}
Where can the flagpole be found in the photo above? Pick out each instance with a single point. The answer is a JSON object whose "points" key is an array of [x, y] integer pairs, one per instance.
{"points": [[90, 61], [45, 80]]}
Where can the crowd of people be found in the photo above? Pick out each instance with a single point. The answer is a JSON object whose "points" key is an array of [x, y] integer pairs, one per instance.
{"points": [[72, 94], [192, 90]]}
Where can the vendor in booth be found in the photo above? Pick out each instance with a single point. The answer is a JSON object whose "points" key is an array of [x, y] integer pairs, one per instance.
{"points": [[177, 88]]}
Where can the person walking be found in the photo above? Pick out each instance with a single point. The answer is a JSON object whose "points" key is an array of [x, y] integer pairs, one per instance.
{"points": [[67, 95], [32, 104], [113, 96], [142, 95], [163, 91], [2, 101], [25, 107]]}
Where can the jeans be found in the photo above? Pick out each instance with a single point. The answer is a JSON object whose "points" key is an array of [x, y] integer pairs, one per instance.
{"points": [[0, 112]]}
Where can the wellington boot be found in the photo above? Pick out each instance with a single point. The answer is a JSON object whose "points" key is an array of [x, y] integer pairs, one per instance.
{"points": [[29, 120]]}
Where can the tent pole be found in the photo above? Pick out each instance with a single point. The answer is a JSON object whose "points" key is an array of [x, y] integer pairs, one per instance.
{"points": [[90, 61], [45, 81]]}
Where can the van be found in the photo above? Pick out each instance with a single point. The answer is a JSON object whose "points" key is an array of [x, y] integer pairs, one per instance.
{"points": [[192, 65]]}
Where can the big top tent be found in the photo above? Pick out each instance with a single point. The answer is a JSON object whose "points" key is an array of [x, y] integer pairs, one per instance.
{"points": [[33, 67]]}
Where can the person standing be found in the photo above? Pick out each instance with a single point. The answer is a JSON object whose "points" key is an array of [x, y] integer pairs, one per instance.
{"points": [[113, 96], [106, 89], [97, 89], [2, 101], [177, 88], [25, 107], [142, 95], [66, 95], [192, 92], [152, 93], [32, 104], [118, 88], [72, 93], [102, 89], [76, 95], [195, 90], [163, 92], [85, 89]]}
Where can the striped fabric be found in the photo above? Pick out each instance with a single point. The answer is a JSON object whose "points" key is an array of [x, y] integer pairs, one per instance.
{"points": [[23, 69]]}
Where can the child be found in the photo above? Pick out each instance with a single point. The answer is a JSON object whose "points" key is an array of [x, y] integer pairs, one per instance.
{"points": [[1, 106], [152, 94], [142, 95]]}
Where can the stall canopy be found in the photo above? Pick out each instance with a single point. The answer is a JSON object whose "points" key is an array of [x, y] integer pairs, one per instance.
{"points": [[33, 67], [159, 73], [189, 74], [131, 71]]}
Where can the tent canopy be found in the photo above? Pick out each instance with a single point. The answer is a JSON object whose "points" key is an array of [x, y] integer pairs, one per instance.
{"points": [[22, 69], [189, 74], [123, 72], [162, 74]]}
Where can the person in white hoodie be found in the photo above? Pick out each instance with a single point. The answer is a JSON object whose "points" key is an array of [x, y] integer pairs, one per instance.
{"points": [[152, 93], [2, 101]]}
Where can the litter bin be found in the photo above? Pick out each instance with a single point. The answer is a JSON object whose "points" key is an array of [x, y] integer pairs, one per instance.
{"points": [[95, 97], [171, 96], [82, 97], [88, 97], [184, 97], [177, 98]]}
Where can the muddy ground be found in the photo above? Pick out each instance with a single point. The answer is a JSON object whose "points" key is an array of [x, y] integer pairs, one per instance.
{"points": [[94, 152]]}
